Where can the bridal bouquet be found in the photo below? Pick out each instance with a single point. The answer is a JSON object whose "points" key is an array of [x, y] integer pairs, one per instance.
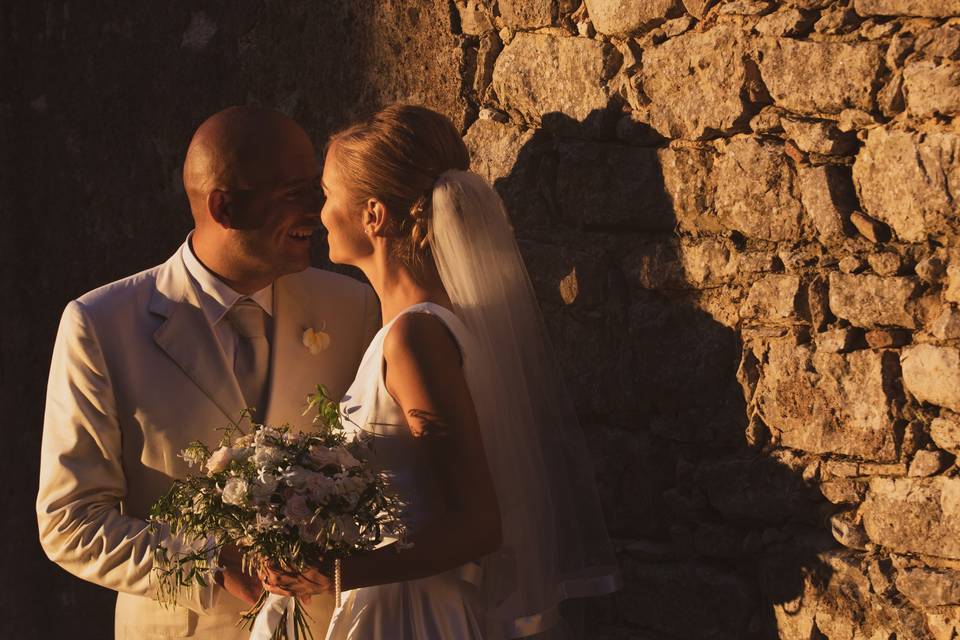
{"points": [[287, 498]]}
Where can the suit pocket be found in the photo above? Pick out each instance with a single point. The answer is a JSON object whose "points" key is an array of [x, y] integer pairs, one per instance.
{"points": [[140, 617]]}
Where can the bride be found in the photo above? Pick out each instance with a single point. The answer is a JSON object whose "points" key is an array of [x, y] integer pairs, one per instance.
{"points": [[460, 391]]}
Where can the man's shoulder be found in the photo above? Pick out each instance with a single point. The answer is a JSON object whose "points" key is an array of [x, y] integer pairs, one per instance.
{"points": [[327, 282], [130, 288]]}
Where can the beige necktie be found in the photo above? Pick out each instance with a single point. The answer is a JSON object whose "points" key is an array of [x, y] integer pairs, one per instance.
{"points": [[252, 359]]}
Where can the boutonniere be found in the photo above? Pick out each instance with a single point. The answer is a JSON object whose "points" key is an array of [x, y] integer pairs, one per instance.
{"points": [[316, 341]]}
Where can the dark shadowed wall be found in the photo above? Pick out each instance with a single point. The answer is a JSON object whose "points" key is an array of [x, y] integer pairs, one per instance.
{"points": [[97, 105]]}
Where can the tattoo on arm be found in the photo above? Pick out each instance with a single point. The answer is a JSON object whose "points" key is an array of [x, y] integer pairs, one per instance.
{"points": [[430, 423]]}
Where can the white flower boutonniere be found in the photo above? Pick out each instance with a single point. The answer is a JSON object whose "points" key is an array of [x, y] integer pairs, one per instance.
{"points": [[316, 341]]}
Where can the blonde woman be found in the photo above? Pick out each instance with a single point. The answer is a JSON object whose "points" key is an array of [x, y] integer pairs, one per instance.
{"points": [[460, 390]]}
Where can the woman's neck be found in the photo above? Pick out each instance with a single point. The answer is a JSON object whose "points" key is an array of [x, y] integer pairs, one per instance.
{"points": [[398, 288]]}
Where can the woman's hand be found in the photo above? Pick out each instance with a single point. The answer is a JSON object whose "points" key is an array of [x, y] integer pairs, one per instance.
{"points": [[287, 583]]}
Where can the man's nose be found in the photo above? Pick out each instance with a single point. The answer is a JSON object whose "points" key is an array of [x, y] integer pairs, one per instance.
{"points": [[313, 204]]}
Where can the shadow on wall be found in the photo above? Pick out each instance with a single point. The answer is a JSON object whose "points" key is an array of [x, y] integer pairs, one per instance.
{"points": [[716, 530]]}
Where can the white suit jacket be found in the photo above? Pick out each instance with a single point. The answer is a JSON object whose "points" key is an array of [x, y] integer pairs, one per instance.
{"points": [[137, 373]]}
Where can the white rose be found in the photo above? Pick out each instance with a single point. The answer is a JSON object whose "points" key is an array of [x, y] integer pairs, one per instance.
{"points": [[235, 492], [262, 490], [219, 460], [266, 456], [350, 487], [296, 476], [320, 487], [322, 456], [297, 511], [345, 459]]}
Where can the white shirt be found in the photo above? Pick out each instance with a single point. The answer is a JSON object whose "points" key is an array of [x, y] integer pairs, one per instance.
{"points": [[217, 298]]}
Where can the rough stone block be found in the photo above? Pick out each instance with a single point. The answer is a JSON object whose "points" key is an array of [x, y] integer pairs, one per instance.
{"points": [[872, 230], [945, 433], [687, 179], [910, 181], [914, 515], [622, 18], [928, 586], [927, 463], [828, 196], [756, 191], [932, 374], [700, 84], [526, 14], [540, 74], [923, 8], [873, 301], [828, 402], [819, 136], [494, 147], [773, 298], [786, 22], [820, 77], [946, 325], [951, 292], [709, 261], [513, 160], [932, 89]]}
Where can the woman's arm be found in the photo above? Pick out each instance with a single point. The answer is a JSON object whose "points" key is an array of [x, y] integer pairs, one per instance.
{"points": [[425, 376]]}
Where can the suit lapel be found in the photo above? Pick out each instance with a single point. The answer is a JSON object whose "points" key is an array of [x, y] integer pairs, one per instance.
{"points": [[187, 338], [294, 370]]}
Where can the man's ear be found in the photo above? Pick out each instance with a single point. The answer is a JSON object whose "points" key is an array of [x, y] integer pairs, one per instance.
{"points": [[374, 218], [219, 203]]}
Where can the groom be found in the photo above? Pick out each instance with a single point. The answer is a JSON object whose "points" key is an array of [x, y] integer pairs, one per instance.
{"points": [[146, 364]]}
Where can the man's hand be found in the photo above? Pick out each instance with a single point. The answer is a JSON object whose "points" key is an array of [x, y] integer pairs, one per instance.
{"points": [[240, 585]]}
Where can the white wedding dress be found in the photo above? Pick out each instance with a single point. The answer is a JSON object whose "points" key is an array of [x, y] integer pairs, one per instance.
{"points": [[445, 606]]}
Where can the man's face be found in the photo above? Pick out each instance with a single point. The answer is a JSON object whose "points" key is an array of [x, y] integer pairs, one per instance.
{"points": [[274, 219]]}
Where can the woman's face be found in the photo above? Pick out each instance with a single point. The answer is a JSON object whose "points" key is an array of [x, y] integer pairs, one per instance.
{"points": [[341, 215]]}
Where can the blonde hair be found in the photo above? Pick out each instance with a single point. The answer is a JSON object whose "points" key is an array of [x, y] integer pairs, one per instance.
{"points": [[396, 156]]}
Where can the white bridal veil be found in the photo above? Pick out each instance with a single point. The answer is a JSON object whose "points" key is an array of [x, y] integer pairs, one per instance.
{"points": [[555, 543]]}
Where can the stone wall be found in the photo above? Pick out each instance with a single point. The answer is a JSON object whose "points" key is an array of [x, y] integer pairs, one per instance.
{"points": [[742, 217]]}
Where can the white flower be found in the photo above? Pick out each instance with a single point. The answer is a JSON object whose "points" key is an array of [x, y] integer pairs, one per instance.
{"points": [[322, 456], [320, 487], [296, 476], [349, 487], [245, 440], [263, 433], [294, 438], [235, 492], [267, 456], [263, 488], [297, 511], [316, 341], [345, 459], [219, 460]]}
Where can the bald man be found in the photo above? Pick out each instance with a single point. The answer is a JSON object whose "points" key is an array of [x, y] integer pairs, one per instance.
{"points": [[146, 364]]}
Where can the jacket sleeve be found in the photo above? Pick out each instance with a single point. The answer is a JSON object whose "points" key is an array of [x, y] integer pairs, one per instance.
{"points": [[82, 483]]}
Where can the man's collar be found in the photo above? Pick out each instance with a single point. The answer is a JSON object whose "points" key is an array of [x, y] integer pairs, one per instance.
{"points": [[218, 296]]}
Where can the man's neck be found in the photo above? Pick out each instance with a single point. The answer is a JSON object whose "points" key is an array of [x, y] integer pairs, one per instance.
{"points": [[215, 260]]}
